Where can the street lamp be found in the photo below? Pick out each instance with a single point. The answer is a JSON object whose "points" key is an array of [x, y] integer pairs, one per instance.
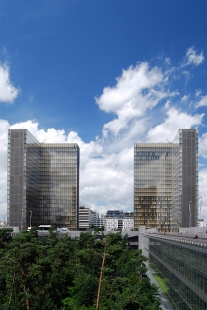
{"points": [[190, 216], [30, 219], [200, 209]]}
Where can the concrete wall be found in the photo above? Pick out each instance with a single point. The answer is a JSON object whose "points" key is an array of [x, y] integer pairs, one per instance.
{"points": [[193, 230]]}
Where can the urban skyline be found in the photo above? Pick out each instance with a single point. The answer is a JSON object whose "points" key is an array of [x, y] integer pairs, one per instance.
{"points": [[43, 183], [104, 75]]}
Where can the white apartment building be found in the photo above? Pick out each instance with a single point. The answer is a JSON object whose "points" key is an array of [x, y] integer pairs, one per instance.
{"points": [[117, 220], [128, 223], [111, 224]]}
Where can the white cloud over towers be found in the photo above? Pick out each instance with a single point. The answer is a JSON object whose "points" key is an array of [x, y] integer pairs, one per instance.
{"points": [[137, 90], [145, 107]]}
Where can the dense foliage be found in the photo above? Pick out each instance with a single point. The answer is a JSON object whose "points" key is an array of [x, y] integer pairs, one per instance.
{"points": [[78, 274]]}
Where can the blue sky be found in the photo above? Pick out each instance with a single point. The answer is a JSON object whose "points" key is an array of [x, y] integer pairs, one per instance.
{"points": [[104, 74]]}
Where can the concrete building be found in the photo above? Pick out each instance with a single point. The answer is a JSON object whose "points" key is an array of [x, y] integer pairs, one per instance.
{"points": [[87, 218], [43, 182], [118, 220], [166, 182]]}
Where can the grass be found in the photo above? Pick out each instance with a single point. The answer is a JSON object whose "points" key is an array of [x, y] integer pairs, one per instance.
{"points": [[161, 282]]}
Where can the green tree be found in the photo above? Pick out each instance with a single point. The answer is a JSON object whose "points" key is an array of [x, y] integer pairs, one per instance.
{"points": [[35, 273], [122, 284], [78, 274], [5, 237]]}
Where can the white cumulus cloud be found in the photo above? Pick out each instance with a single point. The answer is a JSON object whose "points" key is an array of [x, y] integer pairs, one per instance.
{"points": [[192, 57], [7, 91], [202, 102], [198, 92], [175, 119], [203, 145], [138, 89], [129, 85], [184, 98]]}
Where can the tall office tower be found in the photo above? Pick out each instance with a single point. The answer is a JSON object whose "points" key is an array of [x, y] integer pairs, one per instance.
{"points": [[166, 182], [43, 182]]}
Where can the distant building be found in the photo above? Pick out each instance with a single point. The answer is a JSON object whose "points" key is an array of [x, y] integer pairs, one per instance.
{"points": [[166, 182], [112, 224], [118, 220], [43, 182], [100, 220], [201, 222], [87, 218], [128, 221], [3, 224], [114, 220]]}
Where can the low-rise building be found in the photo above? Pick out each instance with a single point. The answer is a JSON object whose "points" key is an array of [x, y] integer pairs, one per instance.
{"points": [[128, 221], [118, 220], [87, 218]]}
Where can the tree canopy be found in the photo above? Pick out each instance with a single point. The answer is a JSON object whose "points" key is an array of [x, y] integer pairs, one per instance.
{"points": [[78, 274]]}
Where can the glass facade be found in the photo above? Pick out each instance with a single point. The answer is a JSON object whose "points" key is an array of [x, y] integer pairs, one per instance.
{"points": [[165, 181], [43, 182], [181, 264], [152, 185]]}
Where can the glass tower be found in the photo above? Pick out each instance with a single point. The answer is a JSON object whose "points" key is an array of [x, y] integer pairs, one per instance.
{"points": [[43, 182], [166, 182], [152, 185]]}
